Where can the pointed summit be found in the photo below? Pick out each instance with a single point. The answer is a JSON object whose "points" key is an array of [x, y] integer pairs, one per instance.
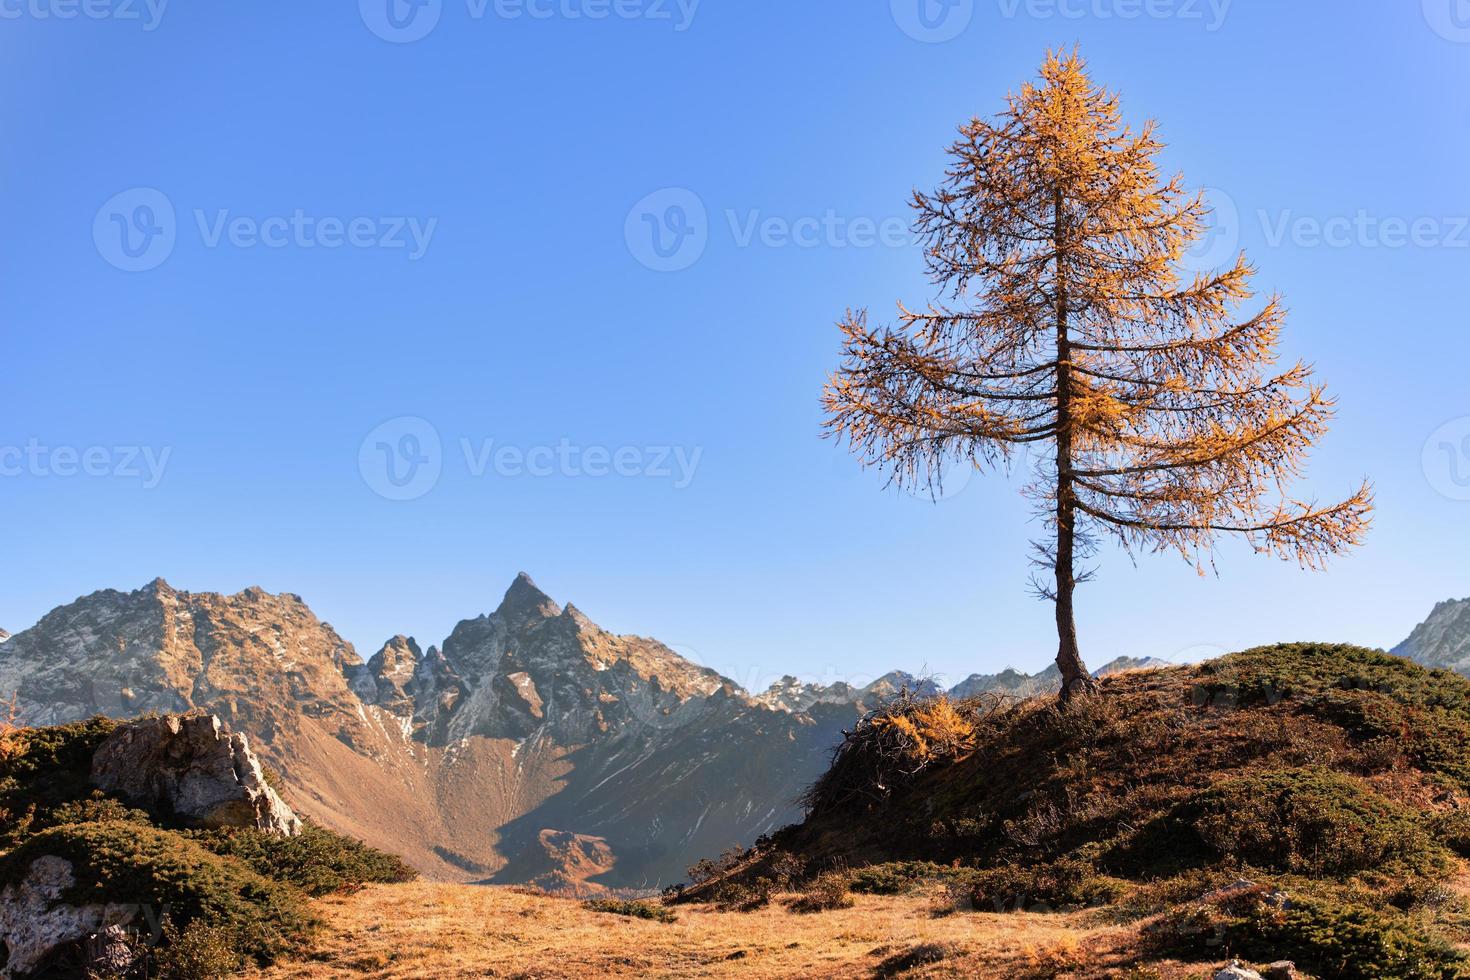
{"points": [[524, 600]]}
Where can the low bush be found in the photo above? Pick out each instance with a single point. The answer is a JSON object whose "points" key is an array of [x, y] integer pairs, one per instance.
{"points": [[96, 808], [635, 910], [1331, 941], [905, 877], [1057, 885], [1311, 820], [42, 769], [196, 952], [824, 893], [318, 861], [129, 864]]}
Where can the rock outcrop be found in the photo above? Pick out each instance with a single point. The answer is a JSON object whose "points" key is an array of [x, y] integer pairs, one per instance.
{"points": [[191, 767], [35, 920]]}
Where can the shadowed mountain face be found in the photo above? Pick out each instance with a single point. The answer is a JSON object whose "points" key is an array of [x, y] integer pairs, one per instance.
{"points": [[1442, 640], [530, 735]]}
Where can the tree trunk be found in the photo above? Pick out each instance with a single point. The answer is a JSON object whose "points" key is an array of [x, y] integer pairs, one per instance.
{"points": [[1075, 678]]}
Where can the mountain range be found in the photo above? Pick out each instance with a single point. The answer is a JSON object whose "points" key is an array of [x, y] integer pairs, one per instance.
{"points": [[1442, 640], [531, 746]]}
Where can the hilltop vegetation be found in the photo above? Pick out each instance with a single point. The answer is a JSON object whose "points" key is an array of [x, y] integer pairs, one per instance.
{"points": [[205, 902], [1302, 802]]}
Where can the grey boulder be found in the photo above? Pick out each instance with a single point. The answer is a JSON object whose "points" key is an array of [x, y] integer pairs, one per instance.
{"points": [[194, 768]]}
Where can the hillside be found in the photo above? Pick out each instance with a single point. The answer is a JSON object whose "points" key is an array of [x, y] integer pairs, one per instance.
{"points": [[1303, 802]]}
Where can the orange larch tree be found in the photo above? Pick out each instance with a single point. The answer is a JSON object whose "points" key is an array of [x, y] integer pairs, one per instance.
{"points": [[1065, 322]]}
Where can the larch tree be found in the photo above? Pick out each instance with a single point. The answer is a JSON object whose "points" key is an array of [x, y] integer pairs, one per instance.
{"points": [[1065, 323]]}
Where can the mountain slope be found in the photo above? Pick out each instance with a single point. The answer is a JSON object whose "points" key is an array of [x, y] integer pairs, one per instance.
{"points": [[1443, 640], [531, 720]]}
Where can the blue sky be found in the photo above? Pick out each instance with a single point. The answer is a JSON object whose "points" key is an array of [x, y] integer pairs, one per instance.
{"points": [[345, 244]]}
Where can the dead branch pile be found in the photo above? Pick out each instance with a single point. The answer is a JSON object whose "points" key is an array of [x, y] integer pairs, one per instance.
{"points": [[891, 745]]}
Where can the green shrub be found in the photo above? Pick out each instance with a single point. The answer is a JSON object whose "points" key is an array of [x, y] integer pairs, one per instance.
{"points": [[318, 861], [636, 910], [46, 768], [96, 809], [1067, 883], [1453, 830], [1311, 820], [905, 877], [129, 864], [1331, 941]]}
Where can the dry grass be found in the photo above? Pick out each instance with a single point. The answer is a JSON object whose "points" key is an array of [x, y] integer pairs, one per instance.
{"points": [[457, 931]]}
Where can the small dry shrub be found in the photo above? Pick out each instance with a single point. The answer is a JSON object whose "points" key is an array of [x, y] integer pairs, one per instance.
{"points": [[197, 952], [824, 893], [743, 896], [633, 910], [708, 869]]}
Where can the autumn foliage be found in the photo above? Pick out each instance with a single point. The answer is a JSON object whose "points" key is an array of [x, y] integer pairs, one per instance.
{"points": [[1066, 322]]}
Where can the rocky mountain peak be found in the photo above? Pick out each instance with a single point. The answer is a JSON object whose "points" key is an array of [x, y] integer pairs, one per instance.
{"points": [[4, 636], [390, 677], [524, 602], [1442, 640], [260, 659]]}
